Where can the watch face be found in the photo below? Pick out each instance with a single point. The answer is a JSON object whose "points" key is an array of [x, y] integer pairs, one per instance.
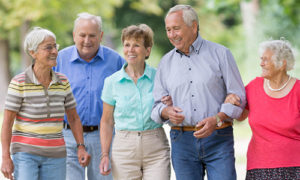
{"points": [[219, 124]]}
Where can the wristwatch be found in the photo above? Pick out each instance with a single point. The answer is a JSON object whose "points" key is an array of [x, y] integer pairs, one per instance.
{"points": [[80, 144], [219, 121]]}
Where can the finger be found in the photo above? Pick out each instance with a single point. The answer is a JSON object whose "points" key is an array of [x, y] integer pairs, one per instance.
{"points": [[177, 109], [165, 98]]}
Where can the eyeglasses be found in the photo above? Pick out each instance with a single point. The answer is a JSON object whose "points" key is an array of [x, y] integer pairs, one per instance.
{"points": [[50, 47]]}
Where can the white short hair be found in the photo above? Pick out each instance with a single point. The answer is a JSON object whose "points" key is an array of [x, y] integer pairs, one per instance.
{"points": [[281, 50], [88, 16], [189, 15], [35, 37]]}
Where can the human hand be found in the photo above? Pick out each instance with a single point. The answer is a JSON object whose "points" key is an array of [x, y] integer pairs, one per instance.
{"points": [[233, 99], [208, 126], [7, 168], [173, 114], [167, 100], [83, 157], [104, 166]]}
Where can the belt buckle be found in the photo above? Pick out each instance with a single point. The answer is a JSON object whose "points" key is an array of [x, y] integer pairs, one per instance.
{"points": [[91, 128]]}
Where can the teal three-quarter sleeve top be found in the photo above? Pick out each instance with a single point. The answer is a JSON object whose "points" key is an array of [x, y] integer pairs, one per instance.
{"points": [[132, 102]]}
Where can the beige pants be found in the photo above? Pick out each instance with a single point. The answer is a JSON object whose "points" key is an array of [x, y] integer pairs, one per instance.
{"points": [[141, 155]]}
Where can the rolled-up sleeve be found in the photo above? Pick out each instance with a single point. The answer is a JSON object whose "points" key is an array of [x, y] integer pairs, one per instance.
{"points": [[234, 85]]}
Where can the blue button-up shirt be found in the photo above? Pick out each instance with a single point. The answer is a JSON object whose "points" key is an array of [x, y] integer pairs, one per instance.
{"points": [[198, 83], [132, 102], [87, 78]]}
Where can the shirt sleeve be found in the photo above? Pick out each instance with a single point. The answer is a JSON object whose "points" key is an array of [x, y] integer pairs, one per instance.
{"points": [[159, 90], [70, 101], [107, 92], [14, 96], [234, 85]]}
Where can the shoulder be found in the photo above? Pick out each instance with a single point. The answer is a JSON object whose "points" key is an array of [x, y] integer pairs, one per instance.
{"points": [[66, 51], [151, 70], [114, 77], [62, 77], [109, 51], [255, 82], [214, 46], [19, 78], [167, 57]]}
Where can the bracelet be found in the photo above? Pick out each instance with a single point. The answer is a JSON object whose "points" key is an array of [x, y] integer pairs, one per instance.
{"points": [[80, 144]]}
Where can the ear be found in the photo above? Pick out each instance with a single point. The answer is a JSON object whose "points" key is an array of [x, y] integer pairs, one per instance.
{"points": [[195, 27], [148, 51], [284, 64], [32, 54], [101, 35], [74, 36]]}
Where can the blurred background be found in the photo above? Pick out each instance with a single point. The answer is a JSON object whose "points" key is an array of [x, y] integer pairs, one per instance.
{"points": [[239, 25]]}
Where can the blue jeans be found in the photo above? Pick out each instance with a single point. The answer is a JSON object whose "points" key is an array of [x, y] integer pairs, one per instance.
{"points": [[34, 167], [93, 147], [192, 157]]}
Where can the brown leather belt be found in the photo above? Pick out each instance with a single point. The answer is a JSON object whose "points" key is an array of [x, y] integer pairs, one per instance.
{"points": [[193, 128], [84, 128]]}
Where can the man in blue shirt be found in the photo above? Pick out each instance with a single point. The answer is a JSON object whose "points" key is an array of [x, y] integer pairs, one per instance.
{"points": [[198, 75], [87, 64]]}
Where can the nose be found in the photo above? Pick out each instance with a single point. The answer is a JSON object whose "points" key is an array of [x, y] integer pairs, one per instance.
{"points": [[86, 39]]}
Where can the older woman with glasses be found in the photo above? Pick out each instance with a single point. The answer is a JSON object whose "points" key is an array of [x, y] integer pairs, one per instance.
{"points": [[273, 111], [36, 102]]}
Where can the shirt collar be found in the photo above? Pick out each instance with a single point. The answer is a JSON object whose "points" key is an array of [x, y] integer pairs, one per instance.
{"points": [[124, 75], [31, 78], [195, 47], [75, 56]]}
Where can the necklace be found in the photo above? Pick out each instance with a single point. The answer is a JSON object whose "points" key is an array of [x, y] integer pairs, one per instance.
{"points": [[279, 89]]}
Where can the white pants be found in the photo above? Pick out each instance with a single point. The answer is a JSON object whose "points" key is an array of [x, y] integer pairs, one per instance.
{"points": [[141, 155]]}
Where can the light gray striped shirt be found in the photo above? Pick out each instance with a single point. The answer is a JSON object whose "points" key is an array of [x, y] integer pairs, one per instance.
{"points": [[198, 83]]}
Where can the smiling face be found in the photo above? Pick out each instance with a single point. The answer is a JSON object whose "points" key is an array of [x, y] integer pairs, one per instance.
{"points": [[268, 66], [179, 33], [134, 51], [46, 53], [87, 38]]}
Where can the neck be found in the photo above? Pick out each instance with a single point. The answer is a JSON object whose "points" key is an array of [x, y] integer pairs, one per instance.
{"points": [[135, 71], [42, 73], [279, 80]]}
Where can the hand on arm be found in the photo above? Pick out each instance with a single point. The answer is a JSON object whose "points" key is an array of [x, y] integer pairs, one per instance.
{"points": [[7, 167], [76, 127], [173, 114], [235, 100], [167, 100], [106, 132]]}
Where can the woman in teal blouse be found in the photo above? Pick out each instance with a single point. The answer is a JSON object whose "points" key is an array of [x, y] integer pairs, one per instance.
{"points": [[140, 149]]}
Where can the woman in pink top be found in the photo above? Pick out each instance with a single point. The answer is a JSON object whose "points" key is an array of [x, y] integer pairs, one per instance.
{"points": [[273, 111]]}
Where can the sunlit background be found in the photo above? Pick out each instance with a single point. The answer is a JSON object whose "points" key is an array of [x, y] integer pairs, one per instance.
{"points": [[239, 25]]}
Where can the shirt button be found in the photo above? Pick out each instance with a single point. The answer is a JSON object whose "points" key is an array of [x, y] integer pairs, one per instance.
{"points": [[194, 109], [192, 95], [191, 81], [88, 77], [190, 68]]}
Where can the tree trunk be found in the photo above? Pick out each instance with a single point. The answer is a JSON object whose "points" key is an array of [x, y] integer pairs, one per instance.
{"points": [[249, 11], [4, 70], [25, 58]]}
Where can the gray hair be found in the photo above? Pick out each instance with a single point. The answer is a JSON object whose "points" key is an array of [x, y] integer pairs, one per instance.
{"points": [[88, 16], [281, 50], [189, 15], [35, 37]]}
